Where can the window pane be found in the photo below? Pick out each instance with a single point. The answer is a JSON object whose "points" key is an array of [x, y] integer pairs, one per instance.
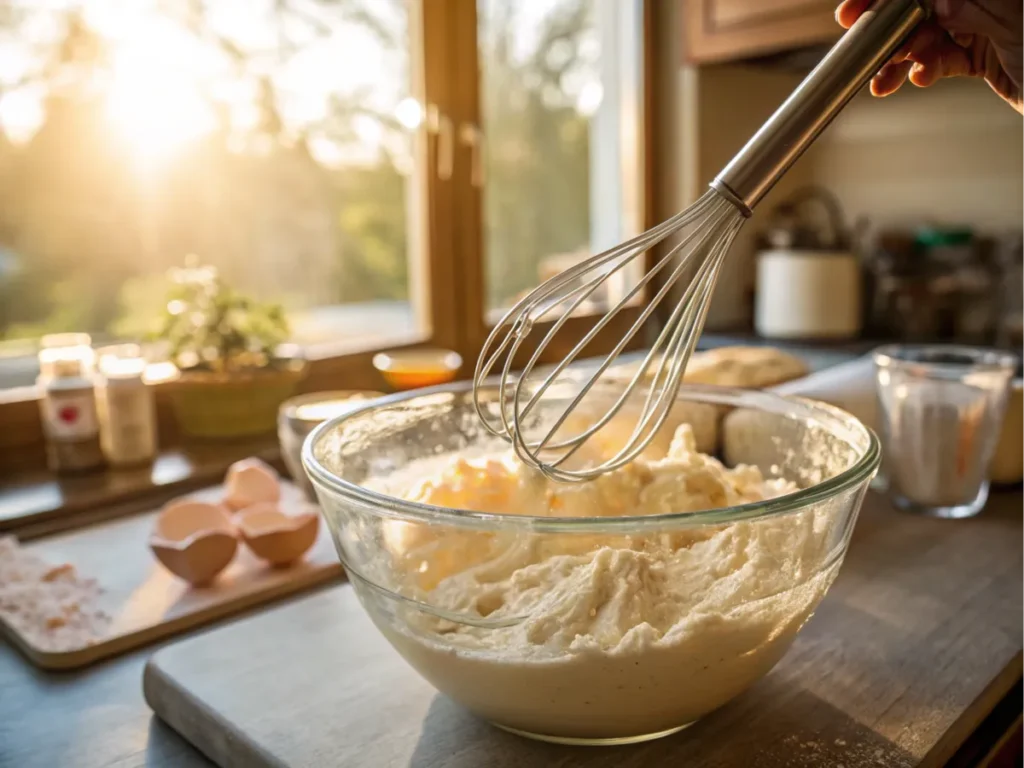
{"points": [[560, 95], [270, 139]]}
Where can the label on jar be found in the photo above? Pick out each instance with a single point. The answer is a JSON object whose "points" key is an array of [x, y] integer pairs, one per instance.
{"points": [[69, 415], [128, 423]]}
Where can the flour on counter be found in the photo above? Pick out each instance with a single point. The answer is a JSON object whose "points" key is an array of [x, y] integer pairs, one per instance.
{"points": [[50, 606]]}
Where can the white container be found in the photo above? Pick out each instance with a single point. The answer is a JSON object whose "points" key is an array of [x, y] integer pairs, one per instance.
{"points": [[805, 294], [67, 405], [124, 404]]}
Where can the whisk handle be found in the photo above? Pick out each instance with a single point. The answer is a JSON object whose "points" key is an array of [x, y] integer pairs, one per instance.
{"points": [[851, 63]]}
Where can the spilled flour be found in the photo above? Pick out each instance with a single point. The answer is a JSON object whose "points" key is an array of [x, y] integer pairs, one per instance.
{"points": [[604, 636], [51, 607]]}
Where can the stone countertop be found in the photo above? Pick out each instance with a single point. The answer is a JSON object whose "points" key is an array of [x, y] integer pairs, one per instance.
{"points": [[94, 718]]}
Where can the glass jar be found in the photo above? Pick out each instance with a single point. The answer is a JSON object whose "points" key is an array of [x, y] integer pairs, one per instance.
{"points": [[125, 407], [1010, 326], [67, 403], [909, 298], [954, 256]]}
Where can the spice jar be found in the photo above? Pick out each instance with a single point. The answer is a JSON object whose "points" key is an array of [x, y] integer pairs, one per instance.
{"points": [[67, 403], [957, 259], [124, 403], [909, 299], [1010, 324]]}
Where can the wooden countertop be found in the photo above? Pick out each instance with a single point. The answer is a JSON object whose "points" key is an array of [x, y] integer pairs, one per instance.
{"points": [[98, 719]]}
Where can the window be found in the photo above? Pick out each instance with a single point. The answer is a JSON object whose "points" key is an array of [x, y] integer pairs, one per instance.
{"points": [[560, 106], [392, 171], [271, 140]]}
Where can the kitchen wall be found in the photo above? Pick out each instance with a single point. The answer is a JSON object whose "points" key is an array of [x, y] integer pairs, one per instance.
{"points": [[704, 115], [951, 154], [731, 104]]}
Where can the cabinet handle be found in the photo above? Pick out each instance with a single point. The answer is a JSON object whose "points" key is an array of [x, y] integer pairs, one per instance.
{"points": [[439, 124], [471, 136]]}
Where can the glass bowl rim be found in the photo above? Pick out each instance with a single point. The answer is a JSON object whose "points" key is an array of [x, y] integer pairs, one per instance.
{"points": [[861, 471]]}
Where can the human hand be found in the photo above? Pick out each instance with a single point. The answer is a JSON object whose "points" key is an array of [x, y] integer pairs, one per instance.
{"points": [[961, 38]]}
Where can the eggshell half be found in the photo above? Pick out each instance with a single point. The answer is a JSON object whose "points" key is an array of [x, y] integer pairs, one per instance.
{"points": [[194, 540], [249, 482], [275, 536]]}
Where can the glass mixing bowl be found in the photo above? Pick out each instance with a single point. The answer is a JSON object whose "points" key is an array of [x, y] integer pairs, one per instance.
{"points": [[591, 629]]}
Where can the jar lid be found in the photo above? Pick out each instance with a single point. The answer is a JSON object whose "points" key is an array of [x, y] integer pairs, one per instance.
{"points": [[66, 355], [936, 237]]}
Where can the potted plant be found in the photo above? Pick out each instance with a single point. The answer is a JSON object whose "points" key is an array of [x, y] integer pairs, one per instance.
{"points": [[233, 371]]}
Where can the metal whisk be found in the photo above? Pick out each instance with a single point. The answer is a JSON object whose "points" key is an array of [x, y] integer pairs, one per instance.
{"points": [[705, 232]]}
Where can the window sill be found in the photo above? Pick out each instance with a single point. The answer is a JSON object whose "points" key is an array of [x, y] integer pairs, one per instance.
{"points": [[22, 445], [19, 395], [39, 504]]}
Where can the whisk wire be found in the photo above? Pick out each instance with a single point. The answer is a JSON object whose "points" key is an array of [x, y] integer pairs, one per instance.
{"points": [[520, 316], [608, 360], [700, 249], [582, 344], [518, 397], [660, 396]]}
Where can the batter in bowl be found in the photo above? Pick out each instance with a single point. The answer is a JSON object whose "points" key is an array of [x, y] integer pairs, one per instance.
{"points": [[613, 637]]}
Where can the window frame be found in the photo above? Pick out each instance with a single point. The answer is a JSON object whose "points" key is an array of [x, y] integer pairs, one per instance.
{"points": [[466, 110], [450, 234]]}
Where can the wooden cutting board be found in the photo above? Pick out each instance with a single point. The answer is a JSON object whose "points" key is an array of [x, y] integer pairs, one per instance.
{"points": [[915, 644], [146, 601]]}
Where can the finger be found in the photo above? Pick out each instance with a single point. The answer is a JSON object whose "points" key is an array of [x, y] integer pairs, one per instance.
{"points": [[949, 60], [923, 38], [849, 11], [890, 78], [923, 75]]}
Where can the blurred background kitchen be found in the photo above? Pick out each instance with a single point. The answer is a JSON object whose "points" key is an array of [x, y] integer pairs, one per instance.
{"points": [[912, 222], [385, 173]]}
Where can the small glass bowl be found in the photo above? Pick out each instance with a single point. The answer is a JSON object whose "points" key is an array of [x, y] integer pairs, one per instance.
{"points": [[416, 368], [299, 415], [503, 669]]}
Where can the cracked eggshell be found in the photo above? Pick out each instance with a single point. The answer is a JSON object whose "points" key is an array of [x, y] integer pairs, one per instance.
{"points": [[194, 540], [250, 482], [275, 536]]}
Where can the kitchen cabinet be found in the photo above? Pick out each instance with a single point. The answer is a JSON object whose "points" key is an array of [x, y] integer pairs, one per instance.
{"points": [[725, 30]]}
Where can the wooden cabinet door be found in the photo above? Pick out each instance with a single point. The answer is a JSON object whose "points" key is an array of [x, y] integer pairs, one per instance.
{"points": [[721, 30]]}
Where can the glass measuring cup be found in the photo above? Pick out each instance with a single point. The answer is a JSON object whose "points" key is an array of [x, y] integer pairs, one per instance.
{"points": [[940, 412]]}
